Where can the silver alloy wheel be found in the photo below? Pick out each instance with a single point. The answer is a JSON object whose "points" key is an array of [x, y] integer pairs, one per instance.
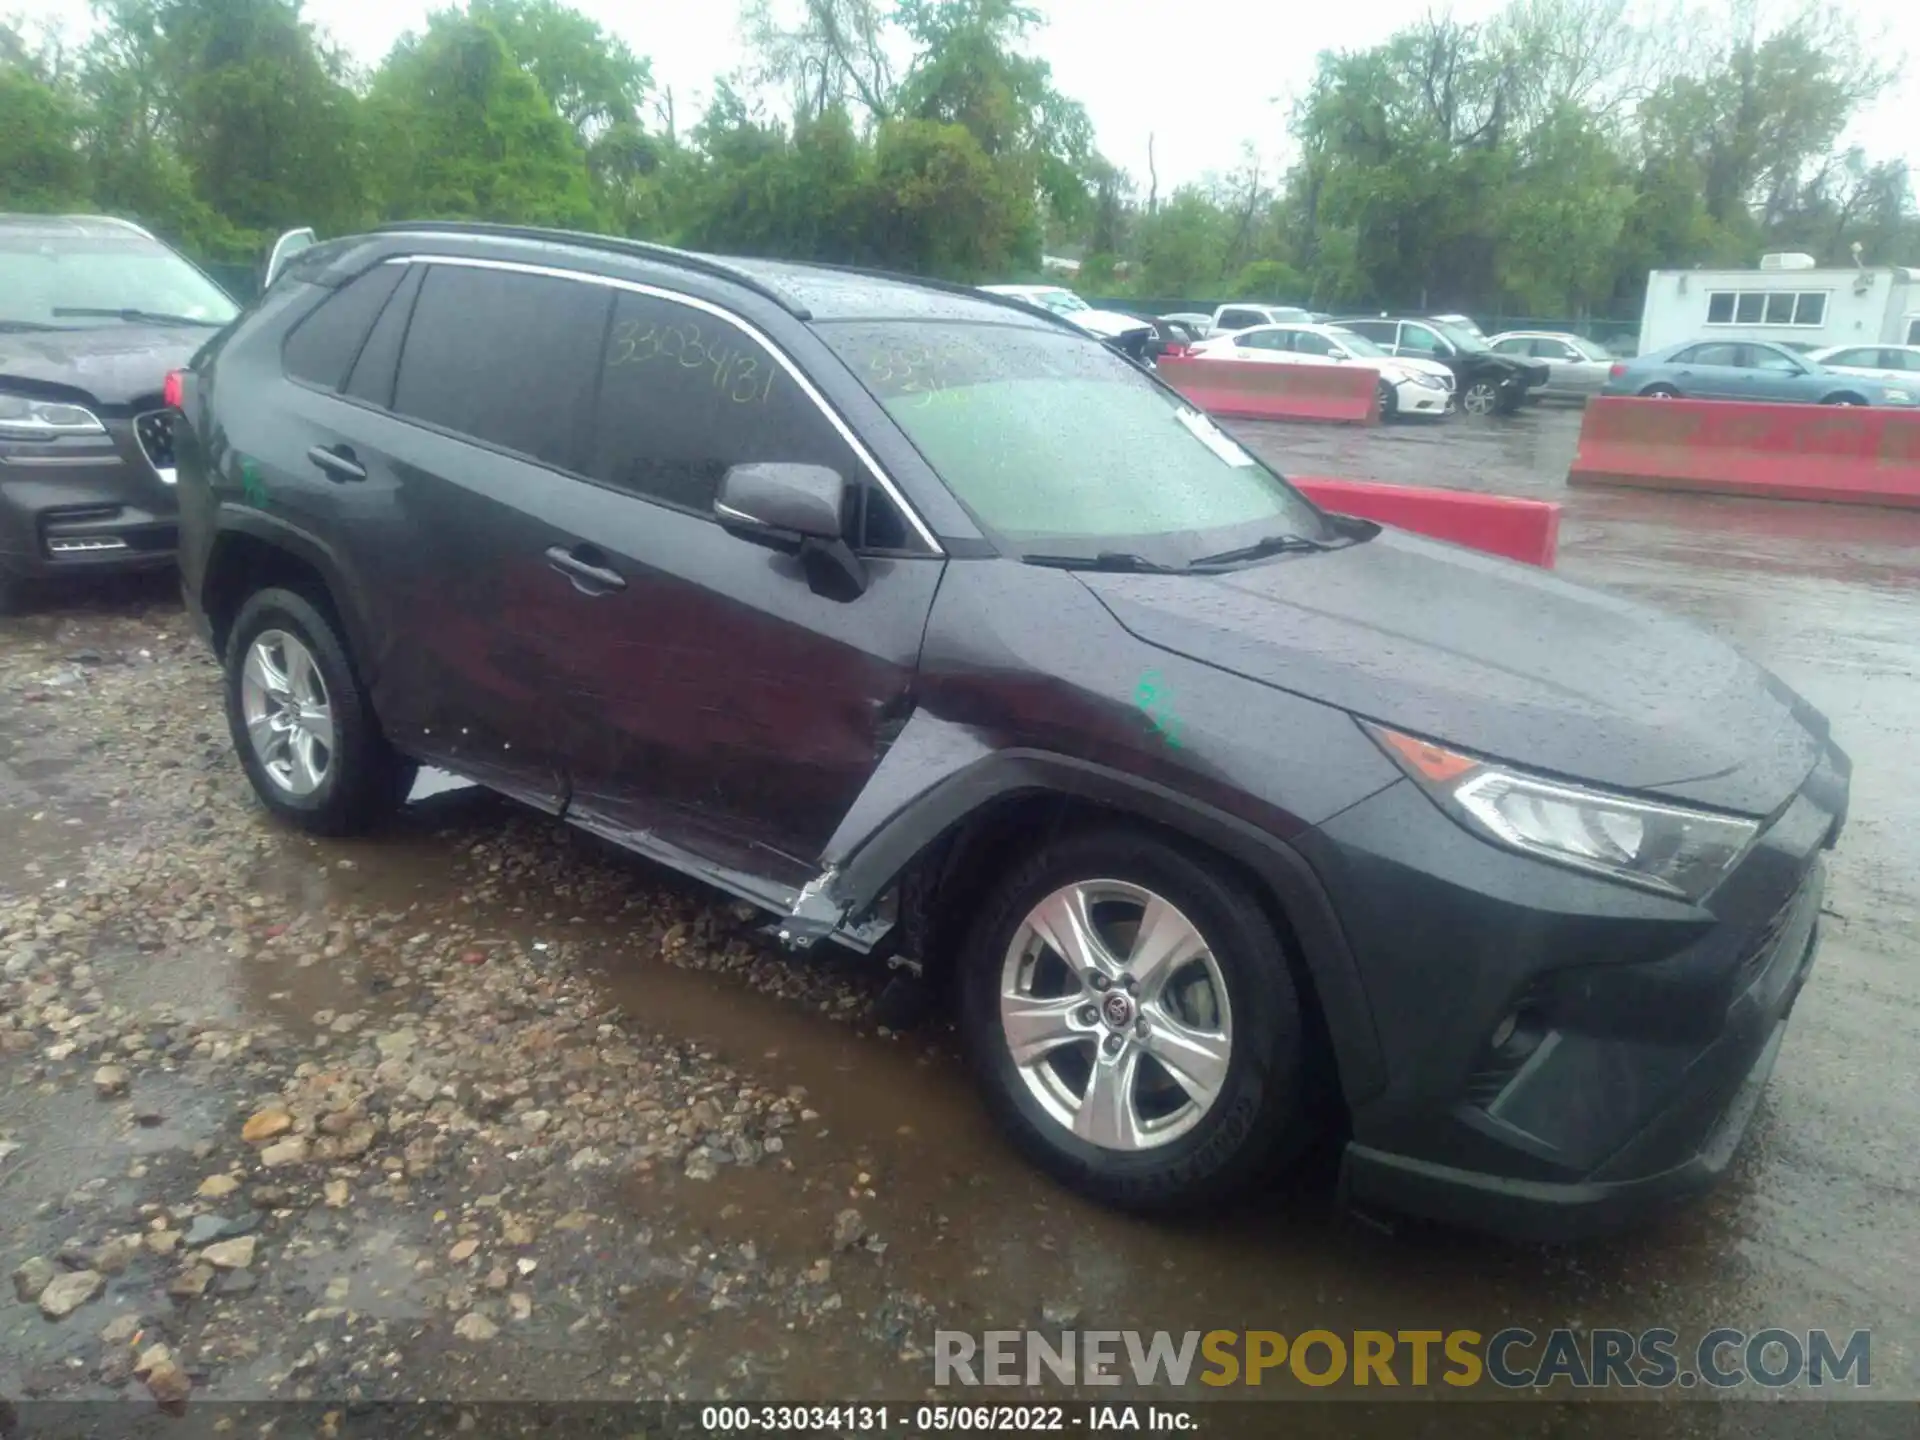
{"points": [[1480, 398], [1115, 1012], [289, 717]]}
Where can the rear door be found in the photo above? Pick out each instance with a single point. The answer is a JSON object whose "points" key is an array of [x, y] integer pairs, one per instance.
{"points": [[708, 695], [1710, 371]]}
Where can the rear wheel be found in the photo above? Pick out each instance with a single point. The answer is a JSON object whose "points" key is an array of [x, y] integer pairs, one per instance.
{"points": [[1660, 392], [302, 726], [1481, 397], [1134, 1024]]}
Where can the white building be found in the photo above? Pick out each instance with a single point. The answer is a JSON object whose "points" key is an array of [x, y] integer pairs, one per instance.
{"points": [[1788, 299]]}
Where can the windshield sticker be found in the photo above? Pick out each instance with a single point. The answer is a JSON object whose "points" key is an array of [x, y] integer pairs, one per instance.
{"points": [[1214, 438], [1155, 698]]}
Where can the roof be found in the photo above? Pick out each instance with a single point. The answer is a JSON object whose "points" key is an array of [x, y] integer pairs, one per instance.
{"points": [[1829, 273], [71, 225], [810, 292]]}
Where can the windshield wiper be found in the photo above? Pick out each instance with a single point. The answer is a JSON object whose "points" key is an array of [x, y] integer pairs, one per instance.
{"points": [[1121, 561], [1266, 545], [20, 325], [134, 316]]}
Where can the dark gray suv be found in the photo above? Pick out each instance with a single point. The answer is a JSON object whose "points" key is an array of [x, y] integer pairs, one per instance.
{"points": [[926, 623], [94, 312]]}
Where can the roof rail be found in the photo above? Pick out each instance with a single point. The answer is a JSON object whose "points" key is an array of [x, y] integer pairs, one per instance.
{"points": [[613, 244], [954, 287], [113, 220]]}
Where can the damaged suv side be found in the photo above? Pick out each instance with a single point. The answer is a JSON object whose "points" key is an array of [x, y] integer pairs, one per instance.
{"points": [[922, 621]]}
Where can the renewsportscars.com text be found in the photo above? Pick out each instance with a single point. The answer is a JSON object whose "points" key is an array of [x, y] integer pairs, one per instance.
{"points": [[1511, 1359]]}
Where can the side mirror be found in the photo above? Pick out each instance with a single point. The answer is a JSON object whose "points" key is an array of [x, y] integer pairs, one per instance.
{"points": [[794, 501], [798, 509]]}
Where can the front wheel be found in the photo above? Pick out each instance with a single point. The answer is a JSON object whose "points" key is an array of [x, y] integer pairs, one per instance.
{"points": [[1481, 397], [303, 728], [1389, 399], [1134, 1025], [1843, 400]]}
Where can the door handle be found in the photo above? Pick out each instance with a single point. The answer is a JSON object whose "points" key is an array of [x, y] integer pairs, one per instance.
{"points": [[578, 566], [338, 461]]}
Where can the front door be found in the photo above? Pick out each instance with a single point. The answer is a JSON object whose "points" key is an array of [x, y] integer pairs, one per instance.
{"points": [[708, 695]]}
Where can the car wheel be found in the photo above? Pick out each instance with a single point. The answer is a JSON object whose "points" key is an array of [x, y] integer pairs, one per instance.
{"points": [[301, 723], [1389, 401], [1843, 400], [1659, 392], [1134, 1025], [1481, 397]]}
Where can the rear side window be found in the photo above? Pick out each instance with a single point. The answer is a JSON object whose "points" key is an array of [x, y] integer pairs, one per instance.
{"points": [[684, 395], [505, 358], [323, 347], [371, 379]]}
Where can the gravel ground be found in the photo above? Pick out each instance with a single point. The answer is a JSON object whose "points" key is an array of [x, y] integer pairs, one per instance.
{"points": [[479, 1108], [273, 1125]]}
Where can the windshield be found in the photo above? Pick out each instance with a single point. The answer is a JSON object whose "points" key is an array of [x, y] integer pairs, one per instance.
{"points": [[42, 277], [1462, 339], [1356, 344], [1060, 447]]}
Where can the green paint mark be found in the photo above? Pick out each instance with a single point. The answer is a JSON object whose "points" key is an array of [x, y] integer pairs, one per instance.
{"points": [[251, 486], [1155, 698]]}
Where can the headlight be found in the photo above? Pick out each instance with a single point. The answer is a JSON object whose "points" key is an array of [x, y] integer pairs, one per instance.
{"points": [[1426, 381], [1669, 848], [25, 419]]}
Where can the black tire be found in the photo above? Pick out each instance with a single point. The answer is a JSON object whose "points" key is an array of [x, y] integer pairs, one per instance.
{"points": [[1844, 398], [1266, 1111], [1389, 401], [1659, 392], [366, 779]]}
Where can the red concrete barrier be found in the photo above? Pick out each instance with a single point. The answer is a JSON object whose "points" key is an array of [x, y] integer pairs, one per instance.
{"points": [[1847, 454], [1252, 390], [1526, 530]]}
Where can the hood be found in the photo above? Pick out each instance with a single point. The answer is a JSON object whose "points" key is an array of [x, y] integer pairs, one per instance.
{"points": [[1108, 324], [112, 364], [1514, 665]]}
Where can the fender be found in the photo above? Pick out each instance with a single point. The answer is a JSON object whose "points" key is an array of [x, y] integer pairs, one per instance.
{"points": [[235, 519], [938, 774]]}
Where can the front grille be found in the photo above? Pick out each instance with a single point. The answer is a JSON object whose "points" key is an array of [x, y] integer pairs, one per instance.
{"points": [[85, 545], [155, 432]]}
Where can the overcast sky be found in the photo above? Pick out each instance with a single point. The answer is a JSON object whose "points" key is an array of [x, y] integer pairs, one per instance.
{"points": [[1201, 76]]}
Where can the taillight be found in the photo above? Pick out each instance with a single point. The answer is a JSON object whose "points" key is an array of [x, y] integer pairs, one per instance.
{"points": [[1616, 370], [173, 391]]}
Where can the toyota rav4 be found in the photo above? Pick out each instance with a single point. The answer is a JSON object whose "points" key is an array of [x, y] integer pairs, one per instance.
{"points": [[925, 623]]}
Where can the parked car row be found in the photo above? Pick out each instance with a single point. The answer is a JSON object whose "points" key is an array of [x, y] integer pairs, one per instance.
{"points": [[1761, 371]]}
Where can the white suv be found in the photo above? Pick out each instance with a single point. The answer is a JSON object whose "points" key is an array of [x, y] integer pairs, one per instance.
{"points": [[1408, 386]]}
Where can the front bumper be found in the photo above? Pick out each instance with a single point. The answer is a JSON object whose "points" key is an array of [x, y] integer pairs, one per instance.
{"points": [[1646, 1026], [71, 508]]}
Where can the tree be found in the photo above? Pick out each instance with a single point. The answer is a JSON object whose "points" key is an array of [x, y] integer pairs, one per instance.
{"points": [[469, 134], [40, 161], [592, 79]]}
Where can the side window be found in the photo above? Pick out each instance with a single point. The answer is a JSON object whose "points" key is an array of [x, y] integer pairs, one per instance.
{"points": [[372, 377], [323, 346], [1856, 357], [1379, 331], [1308, 343], [505, 358], [1517, 346], [1261, 340], [1419, 340], [1240, 319], [1759, 357], [1557, 351], [1709, 355], [685, 395]]}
